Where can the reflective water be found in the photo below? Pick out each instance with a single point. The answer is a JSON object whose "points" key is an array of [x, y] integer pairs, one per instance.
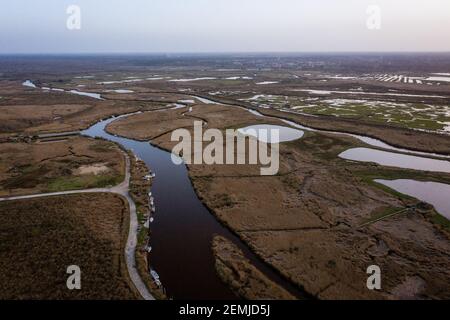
{"points": [[398, 160]]}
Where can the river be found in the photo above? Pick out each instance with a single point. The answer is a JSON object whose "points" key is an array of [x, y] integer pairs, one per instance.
{"points": [[183, 228]]}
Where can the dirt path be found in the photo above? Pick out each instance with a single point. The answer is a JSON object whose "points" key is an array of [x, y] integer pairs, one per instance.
{"points": [[130, 248]]}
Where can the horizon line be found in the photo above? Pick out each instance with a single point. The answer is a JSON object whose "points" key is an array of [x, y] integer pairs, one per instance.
{"points": [[218, 52]]}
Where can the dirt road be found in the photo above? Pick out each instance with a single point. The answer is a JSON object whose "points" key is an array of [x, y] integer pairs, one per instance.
{"points": [[130, 248]]}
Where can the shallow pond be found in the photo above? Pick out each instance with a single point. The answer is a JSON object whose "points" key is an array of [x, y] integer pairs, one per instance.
{"points": [[120, 91], [398, 160], [434, 193]]}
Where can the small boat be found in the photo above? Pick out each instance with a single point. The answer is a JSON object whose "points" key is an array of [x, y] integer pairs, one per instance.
{"points": [[155, 277]]}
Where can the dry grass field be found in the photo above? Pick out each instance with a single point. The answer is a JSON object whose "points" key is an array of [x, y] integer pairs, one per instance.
{"points": [[75, 163], [139, 188], [151, 124], [40, 238]]}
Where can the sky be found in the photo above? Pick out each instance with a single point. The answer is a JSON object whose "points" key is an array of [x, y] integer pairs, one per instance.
{"points": [[197, 26]]}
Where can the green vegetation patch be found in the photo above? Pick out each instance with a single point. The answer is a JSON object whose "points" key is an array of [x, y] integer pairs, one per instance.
{"points": [[83, 182], [441, 221]]}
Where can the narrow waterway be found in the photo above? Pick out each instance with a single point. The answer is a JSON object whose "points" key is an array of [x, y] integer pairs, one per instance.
{"points": [[183, 228]]}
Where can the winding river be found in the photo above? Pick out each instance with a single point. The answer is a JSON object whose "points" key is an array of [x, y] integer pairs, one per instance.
{"points": [[183, 228]]}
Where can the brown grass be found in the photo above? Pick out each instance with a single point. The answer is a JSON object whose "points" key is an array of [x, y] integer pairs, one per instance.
{"points": [[402, 138], [151, 124], [40, 238]]}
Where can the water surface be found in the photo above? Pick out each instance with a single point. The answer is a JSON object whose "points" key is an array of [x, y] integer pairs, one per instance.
{"points": [[183, 228], [87, 94]]}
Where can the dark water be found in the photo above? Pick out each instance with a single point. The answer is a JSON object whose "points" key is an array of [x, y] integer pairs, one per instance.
{"points": [[183, 229]]}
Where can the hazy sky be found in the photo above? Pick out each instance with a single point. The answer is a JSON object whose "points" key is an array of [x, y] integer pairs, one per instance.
{"points": [[39, 26]]}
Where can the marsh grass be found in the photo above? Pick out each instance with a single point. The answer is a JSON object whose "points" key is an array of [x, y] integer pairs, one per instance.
{"points": [[40, 238]]}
